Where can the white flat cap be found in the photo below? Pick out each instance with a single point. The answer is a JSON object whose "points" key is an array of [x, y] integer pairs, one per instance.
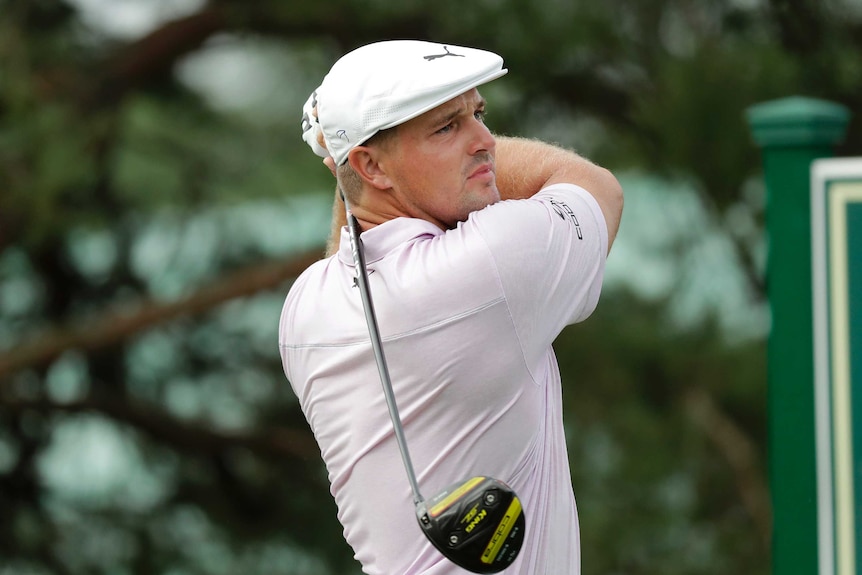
{"points": [[381, 85]]}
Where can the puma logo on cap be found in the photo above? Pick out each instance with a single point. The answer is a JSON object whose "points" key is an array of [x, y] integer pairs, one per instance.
{"points": [[448, 53]]}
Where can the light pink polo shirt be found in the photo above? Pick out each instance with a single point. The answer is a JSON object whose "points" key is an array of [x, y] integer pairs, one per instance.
{"points": [[468, 317]]}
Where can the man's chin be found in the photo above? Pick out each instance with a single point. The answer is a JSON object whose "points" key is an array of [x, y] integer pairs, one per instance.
{"points": [[490, 195], [482, 201]]}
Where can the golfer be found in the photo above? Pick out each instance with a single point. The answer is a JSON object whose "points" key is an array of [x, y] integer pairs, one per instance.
{"points": [[479, 251]]}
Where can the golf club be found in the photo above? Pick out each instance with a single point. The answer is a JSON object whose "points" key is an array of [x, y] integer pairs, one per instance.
{"points": [[476, 523]]}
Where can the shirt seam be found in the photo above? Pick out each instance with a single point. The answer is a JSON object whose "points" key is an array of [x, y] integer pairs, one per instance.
{"points": [[400, 335], [508, 308]]}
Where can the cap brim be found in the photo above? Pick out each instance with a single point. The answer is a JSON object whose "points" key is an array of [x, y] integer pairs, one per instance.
{"points": [[445, 98], [441, 100]]}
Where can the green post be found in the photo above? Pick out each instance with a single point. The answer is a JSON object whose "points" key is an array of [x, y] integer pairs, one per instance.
{"points": [[792, 132]]}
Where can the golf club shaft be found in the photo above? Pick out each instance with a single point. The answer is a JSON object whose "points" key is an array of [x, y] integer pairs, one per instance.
{"points": [[377, 344]]}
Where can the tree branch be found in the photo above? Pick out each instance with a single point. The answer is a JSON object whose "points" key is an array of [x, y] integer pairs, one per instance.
{"points": [[277, 443], [154, 55], [151, 58], [114, 327], [740, 453]]}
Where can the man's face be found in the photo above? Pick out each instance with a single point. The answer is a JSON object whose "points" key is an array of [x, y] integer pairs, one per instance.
{"points": [[441, 164]]}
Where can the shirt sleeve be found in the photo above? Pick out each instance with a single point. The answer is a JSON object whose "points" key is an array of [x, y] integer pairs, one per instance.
{"points": [[549, 252]]}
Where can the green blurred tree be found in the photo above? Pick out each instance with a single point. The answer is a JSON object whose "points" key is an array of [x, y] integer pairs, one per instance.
{"points": [[138, 296]]}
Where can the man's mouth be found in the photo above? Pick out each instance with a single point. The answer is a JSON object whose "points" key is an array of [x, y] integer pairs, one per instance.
{"points": [[485, 170]]}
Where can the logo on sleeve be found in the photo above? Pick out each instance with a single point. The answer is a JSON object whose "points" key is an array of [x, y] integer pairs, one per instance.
{"points": [[564, 211]]}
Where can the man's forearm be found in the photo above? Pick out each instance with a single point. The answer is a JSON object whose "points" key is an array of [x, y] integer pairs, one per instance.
{"points": [[526, 166], [523, 167]]}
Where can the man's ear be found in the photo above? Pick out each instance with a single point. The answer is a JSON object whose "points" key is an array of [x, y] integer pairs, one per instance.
{"points": [[365, 163]]}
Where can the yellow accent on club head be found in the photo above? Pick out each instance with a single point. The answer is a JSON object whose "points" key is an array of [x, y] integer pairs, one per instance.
{"points": [[503, 530], [454, 496]]}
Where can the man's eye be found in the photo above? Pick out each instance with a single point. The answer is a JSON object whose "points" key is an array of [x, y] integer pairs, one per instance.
{"points": [[479, 115], [444, 129]]}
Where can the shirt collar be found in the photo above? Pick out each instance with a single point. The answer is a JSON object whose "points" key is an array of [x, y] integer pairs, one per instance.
{"points": [[382, 239]]}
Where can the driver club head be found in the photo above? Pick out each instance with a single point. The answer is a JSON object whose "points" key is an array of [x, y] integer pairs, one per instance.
{"points": [[478, 524]]}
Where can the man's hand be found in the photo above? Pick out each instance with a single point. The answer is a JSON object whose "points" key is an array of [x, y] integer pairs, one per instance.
{"points": [[312, 133]]}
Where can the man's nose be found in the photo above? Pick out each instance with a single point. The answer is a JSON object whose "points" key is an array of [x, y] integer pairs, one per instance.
{"points": [[483, 139]]}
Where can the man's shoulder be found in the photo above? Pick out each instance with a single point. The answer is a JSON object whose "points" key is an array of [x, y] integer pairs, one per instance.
{"points": [[316, 269]]}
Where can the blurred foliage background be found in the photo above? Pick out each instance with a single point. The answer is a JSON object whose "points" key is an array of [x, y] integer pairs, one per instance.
{"points": [[156, 201]]}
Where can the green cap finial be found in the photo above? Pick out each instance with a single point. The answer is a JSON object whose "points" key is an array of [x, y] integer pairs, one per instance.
{"points": [[798, 121]]}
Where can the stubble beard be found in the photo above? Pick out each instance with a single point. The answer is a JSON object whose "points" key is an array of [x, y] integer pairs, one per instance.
{"points": [[486, 195]]}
